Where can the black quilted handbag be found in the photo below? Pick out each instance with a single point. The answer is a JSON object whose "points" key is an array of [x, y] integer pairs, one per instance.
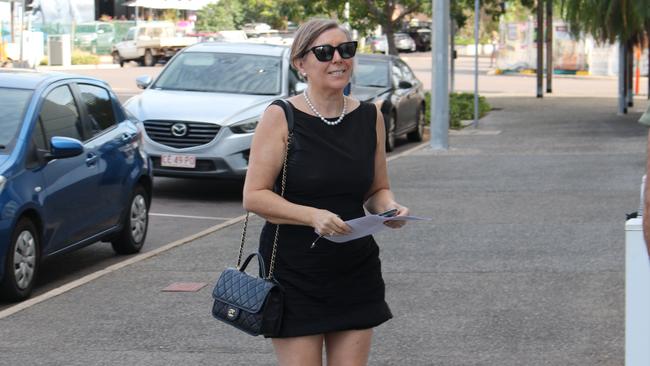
{"points": [[253, 304]]}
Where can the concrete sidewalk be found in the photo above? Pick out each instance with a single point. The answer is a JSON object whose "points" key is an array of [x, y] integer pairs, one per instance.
{"points": [[523, 263]]}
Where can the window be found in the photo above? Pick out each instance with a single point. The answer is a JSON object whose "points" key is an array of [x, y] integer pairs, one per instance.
{"points": [[105, 28], [39, 137], [99, 106], [60, 116], [130, 35], [397, 75], [407, 73]]}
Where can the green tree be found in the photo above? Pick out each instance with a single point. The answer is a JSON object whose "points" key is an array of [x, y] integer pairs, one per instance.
{"points": [[609, 20], [224, 15]]}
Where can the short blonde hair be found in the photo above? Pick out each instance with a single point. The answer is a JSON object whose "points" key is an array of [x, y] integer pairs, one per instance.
{"points": [[308, 32]]}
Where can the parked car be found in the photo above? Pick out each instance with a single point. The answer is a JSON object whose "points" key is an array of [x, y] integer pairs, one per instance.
{"points": [[389, 82], [72, 172], [421, 37], [201, 112], [403, 43], [149, 42], [95, 36]]}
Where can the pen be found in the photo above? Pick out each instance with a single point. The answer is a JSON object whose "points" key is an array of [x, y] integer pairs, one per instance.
{"points": [[314, 243]]}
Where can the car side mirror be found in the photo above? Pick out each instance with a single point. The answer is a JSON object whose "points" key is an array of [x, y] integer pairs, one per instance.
{"points": [[64, 147], [404, 85], [100, 31], [143, 81], [300, 87]]}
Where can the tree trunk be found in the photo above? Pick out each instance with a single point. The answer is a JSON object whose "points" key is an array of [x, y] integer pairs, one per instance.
{"points": [[390, 39]]}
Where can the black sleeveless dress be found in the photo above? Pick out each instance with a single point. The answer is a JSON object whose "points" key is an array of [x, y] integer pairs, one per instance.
{"points": [[334, 286]]}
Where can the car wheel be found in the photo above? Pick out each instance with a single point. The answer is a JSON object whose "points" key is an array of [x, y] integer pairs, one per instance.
{"points": [[149, 59], [417, 134], [117, 59], [134, 225], [21, 263], [390, 132]]}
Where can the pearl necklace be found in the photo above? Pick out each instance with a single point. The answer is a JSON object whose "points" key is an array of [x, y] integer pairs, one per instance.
{"points": [[313, 109]]}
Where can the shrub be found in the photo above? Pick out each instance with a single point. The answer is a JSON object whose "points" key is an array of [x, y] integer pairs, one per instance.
{"points": [[461, 108], [84, 58]]}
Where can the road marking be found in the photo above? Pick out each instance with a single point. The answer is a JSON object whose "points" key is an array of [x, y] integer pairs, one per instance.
{"points": [[93, 276], [190, 217], [408, 152], [144, 256]]}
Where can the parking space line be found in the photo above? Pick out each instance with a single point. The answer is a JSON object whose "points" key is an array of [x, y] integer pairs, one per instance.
{"points": [[191, 217], [93, 276]]}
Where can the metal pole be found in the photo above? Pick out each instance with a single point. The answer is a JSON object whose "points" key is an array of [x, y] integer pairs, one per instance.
{"points": [[12, 23], [549, 46], [476, 23], [452, 50], [440, 75], [540, 48], [622, 109], [22, 29], [630, 78]]}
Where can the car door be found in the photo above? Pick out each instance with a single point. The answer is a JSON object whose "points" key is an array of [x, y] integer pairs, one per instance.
{"points": [[128, 49], [70, 184], [104, 36], [410, 102], [111, 141], [399, 98]]}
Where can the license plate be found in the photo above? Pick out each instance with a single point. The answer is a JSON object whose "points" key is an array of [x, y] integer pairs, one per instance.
{"points": [[178, 161]]}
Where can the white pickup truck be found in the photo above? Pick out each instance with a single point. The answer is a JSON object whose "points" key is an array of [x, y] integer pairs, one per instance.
{"points": [[149, 42]]}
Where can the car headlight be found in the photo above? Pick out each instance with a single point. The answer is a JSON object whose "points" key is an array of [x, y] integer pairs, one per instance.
{"points": [[247, 126], [3, 180]]}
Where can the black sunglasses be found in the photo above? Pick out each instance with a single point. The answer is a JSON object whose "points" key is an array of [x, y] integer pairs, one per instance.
{"points": [[325, 52]]}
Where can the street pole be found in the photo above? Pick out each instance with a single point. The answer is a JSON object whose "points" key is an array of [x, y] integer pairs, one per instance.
{"points": [[12, 23], [540, 48], [630, 78], [22, 29], [452, 50], [440, 75], [476, 23], [549, 46], [622, 109]]}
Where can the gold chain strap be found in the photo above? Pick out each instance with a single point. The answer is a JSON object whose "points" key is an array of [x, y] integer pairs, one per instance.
{"points": [[277, 227]]}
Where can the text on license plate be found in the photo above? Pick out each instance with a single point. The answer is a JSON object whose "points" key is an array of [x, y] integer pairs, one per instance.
{"points": [[178, 161]]}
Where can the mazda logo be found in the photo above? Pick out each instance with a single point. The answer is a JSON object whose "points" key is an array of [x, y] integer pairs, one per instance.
{"points": [[179, 129]]}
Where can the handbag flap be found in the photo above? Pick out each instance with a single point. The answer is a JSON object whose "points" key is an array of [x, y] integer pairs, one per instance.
{"points": [[241, 290]]}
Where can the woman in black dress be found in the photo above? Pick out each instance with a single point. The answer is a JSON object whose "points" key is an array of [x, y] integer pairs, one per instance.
{"points": [[334, 293]]}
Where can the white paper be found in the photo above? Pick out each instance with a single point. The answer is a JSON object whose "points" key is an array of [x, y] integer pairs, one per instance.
{"points": [[368, 225]]}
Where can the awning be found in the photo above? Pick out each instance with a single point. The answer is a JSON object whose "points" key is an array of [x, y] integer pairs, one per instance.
{"points": [[172, 4]]}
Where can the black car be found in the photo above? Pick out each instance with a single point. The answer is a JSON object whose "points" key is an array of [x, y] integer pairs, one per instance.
{"points": [[389, 82], [422, 38]]}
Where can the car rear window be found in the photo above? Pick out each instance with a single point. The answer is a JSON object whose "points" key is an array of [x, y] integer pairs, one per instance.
{"points": [[223, 73], [371, 73], [13, 103]]}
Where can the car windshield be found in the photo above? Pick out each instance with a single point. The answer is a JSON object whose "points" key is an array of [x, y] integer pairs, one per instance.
{"points": [[372, 73], [222, 73], [13, 103], [85, 29]]}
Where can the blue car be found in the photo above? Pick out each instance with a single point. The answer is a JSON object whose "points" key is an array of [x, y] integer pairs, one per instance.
{"points": [[72, 173]]}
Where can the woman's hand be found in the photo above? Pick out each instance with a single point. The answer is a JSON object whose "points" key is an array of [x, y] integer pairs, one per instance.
{"points": [[328, 223], [395, 223]]}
